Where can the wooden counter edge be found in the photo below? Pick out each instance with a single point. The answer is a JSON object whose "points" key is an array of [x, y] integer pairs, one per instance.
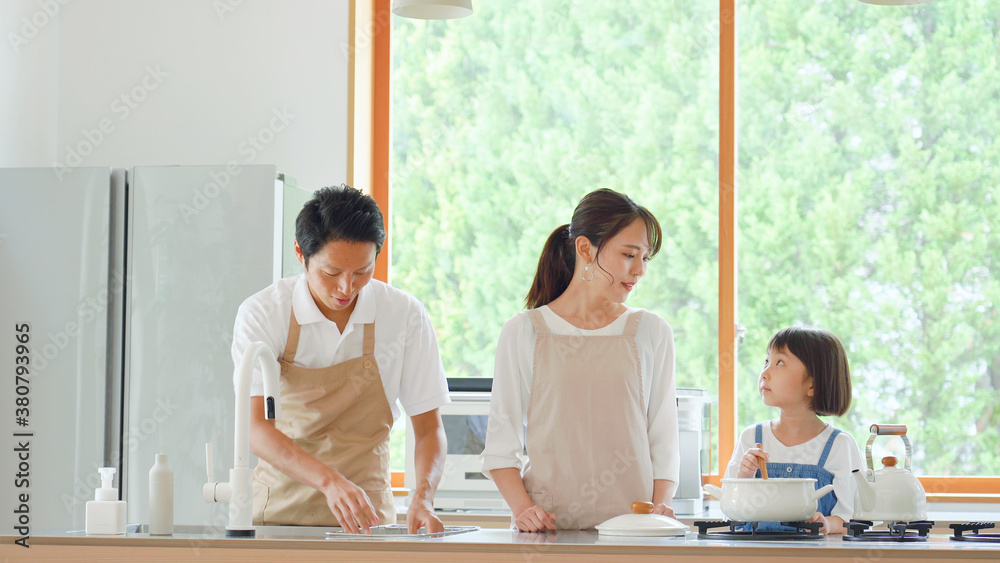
{"points": [[152, 550]]}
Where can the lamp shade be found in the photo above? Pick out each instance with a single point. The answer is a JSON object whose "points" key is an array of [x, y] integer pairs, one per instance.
{"points": [[432, 9], [896, 2]]}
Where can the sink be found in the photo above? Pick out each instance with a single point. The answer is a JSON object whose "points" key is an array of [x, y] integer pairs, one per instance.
{"points": [[387, 532], [397, 532], [262, 532]]}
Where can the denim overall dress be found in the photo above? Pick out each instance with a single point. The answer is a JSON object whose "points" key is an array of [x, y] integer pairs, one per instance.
{"points": [[778, 470]]}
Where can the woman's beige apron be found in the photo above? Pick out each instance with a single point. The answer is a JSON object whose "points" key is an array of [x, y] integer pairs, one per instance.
{"points": [[587, 440], [340, 416]]}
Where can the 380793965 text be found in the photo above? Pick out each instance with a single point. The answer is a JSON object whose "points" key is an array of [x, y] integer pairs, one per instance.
{"points": [[22, 436]]}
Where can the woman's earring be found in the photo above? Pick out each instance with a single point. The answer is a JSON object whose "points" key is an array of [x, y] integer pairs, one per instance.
{"points": [[586, 271]]}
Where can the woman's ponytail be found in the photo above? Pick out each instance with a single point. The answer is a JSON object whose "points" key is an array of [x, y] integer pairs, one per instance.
{"points": [[555, 269]]}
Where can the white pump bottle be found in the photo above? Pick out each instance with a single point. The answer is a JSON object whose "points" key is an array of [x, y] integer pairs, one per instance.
{"points": [[106, 514]]}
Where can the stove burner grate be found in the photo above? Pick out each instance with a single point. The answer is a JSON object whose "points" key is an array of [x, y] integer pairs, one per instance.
{"points": [[858, 530], [976, 535], [803, 531]]}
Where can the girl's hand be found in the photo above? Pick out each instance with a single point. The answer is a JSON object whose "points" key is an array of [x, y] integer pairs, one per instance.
{"points": [[830, 524], [535, 519], [751, 463]]}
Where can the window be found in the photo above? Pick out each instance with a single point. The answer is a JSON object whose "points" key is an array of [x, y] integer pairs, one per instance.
{"points": [[868, 194], [867, 190], [501, 122]]}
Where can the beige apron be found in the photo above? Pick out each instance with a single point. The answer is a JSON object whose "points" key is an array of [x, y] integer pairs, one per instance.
{"points": [[587, 440], [340, 416]]}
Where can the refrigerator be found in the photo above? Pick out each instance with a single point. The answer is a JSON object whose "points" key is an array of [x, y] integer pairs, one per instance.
{"points": [[61, 288], [201, 239], [128, 281]]}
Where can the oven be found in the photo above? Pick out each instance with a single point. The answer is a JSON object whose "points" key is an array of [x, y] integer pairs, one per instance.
{"points": [[463, 485]]}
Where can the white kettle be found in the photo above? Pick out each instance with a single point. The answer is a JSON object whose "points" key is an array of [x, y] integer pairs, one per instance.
{"points": [[891, 494]]}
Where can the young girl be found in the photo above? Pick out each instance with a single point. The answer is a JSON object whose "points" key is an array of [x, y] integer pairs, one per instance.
{"points": [[805, 376], [592, 379]]}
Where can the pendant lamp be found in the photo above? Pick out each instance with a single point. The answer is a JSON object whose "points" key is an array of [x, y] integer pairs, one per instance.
{"points": [[896, 2], [432, 9]]}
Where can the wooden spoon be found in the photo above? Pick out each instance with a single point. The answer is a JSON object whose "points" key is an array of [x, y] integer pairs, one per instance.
{"points": [[763, 466]]}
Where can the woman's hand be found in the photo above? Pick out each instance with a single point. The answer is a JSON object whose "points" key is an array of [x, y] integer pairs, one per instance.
{"points": [[751, 462], [661, 508], [830, 524], [535, 519]]}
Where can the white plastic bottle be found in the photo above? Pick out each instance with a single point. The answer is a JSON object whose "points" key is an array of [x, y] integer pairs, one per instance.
{"points": [[161, 498], [106, 514]]}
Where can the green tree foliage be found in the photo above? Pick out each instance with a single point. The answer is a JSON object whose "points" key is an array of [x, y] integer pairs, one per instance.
{"points": [[868, 206], [867, 179]]}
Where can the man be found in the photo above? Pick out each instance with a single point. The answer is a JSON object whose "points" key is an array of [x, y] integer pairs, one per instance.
{"points": [[349, 347]]}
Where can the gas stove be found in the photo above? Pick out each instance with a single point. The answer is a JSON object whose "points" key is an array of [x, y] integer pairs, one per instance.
{"points": [[976, 535], [803, 531], [859, 530]]}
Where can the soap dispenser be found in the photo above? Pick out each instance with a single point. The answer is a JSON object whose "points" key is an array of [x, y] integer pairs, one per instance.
{"points": [[106, 514]]}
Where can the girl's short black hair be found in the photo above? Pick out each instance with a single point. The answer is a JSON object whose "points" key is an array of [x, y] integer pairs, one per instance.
{"points": [[825, 361], [338, 213]]}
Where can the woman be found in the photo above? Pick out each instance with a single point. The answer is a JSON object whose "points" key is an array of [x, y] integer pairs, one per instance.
{"points": [[592, 379]]}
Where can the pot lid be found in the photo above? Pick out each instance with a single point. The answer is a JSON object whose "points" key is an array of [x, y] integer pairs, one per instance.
{"points": [[642, 525]]}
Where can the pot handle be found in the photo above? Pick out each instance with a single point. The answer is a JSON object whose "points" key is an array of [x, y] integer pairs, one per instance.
{"points": [[715, 491], [821, 492]]}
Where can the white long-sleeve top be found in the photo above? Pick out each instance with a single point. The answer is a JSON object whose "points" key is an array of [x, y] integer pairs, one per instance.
{"points": [[845, 456], [512, 378]]}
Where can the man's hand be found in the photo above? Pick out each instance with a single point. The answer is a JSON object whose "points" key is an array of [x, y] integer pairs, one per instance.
{"points": [[421, 515], [350, 505], [429, 451], [347, 502]]}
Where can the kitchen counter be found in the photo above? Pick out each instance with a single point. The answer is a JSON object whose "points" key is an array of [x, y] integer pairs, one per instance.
{"points": [[942, 514], [493, 543], [310, 544]]}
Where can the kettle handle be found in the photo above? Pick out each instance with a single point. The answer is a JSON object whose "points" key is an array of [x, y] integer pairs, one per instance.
{"points": [[888, 430]]}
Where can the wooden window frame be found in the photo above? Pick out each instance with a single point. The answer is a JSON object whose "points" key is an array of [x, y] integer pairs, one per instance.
{"points": [[951, 489]]}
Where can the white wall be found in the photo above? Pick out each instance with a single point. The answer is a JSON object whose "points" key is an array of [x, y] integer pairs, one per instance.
{"points": [[29, 67], [143, 82]]}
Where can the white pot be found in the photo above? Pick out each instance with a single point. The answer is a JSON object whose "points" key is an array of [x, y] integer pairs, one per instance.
{"points": [[768, 500]]}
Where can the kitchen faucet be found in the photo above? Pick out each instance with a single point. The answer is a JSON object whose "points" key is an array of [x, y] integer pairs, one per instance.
{"points": [[238, 492]]}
